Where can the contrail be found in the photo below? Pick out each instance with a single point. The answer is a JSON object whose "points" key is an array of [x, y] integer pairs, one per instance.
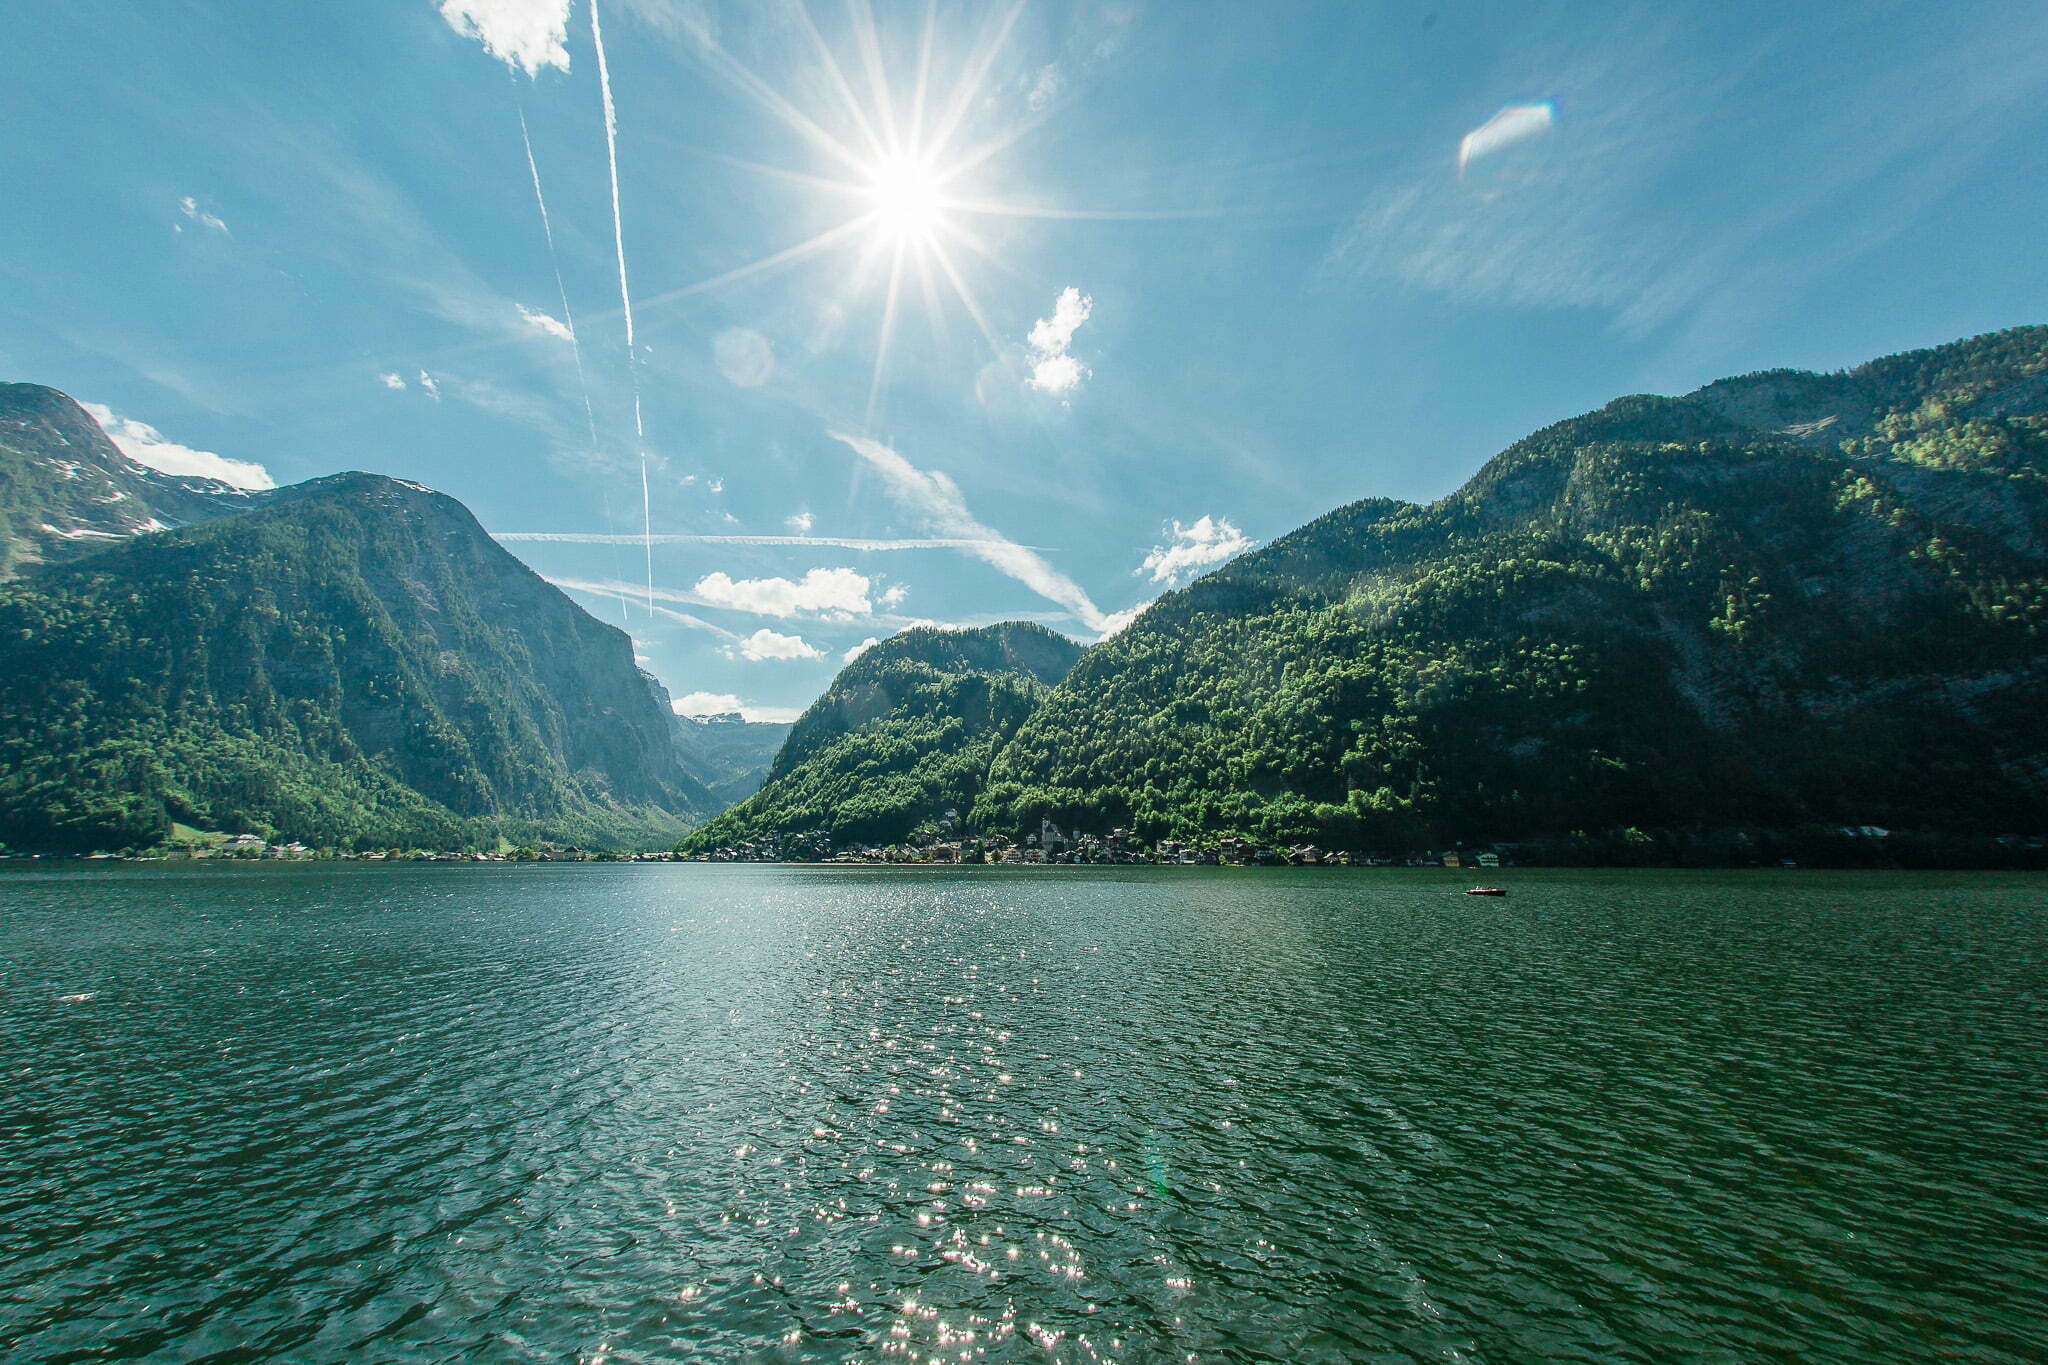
{"points": [[547, 229], [611, 147], [823, 542], [620, 590]]}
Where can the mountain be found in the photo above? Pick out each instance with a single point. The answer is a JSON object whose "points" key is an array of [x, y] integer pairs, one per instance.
{"points": [[66, 490], [904, 735], [728, 753], [351, 661], [1786, 599]]}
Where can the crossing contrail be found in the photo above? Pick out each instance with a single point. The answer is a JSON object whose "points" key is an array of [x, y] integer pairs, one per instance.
{"points": [[611, 147], [547, 230], [822, 542]]}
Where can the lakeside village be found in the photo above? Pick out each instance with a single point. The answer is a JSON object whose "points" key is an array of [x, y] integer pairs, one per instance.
{"points": [[1050, 846], [943, 843], [1047, 847]]}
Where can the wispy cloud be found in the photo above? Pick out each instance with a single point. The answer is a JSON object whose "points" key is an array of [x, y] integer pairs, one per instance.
{"points": [[1516, 123], [1053, 368], [799, 522], [833, 593], [727, 703], [145, 445], [1595, 206], [391, 380], [937, 501], [765, 645], [190, 207], [524, 34], [1203, 544], [545, 324], [431, 385]]}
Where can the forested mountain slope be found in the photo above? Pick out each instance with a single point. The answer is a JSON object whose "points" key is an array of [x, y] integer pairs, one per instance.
{"points": [[354, 662], [905, 733], [1784, 599], [729, 754]]}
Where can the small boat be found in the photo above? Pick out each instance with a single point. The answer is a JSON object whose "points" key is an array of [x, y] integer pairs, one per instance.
{"points": [[1486, 891]]}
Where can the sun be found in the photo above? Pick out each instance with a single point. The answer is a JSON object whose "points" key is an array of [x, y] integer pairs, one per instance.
{"points": [[905, 194], [902, 158]]}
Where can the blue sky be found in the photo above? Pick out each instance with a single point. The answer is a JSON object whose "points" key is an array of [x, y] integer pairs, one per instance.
{"points": [[1214, 269]]}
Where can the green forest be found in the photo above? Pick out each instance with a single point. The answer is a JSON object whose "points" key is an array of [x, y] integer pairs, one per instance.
{"points": [[1787, 600], [354, 664]]}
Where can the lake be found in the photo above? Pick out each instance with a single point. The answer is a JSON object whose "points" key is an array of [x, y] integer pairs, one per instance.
{"points": [[711, 1112]]}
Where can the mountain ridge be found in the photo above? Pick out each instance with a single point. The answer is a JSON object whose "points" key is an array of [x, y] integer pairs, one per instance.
{"points": [[1784, 599], [350, 661]]}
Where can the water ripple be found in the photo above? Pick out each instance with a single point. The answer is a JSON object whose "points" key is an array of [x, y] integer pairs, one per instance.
{"points": [[651, 1113]]}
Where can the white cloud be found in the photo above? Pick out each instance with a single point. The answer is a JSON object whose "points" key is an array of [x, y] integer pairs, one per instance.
{"points": [[857, 650], [714, 486], [744, 357], [1057, 374], [145, 445], [1190, 549], [1116, 621], [190, 208], [1053, 370], [836, 593], [936, 499], [800, 522], [527, 34], [1069, 311], [766, 644], [1516, 123], [431, 385], [544, 323], [892, 597], [390, 380], [726, 703]]}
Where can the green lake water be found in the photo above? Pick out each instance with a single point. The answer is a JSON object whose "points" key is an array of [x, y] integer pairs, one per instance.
{"points": [[704, 1112]]}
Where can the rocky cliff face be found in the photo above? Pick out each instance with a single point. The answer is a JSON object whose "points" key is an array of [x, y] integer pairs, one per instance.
{"points": [[66, 490]]}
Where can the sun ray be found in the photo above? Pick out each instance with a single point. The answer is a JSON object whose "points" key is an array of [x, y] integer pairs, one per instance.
{"points": [[786, 113], [782, 257], [967, 299], [783, 173], [878, 81], [934, 315], [888, 331], [924, 72], [840, 83], [999, 209], [982, 249], [971, 78], [914, 150]]}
